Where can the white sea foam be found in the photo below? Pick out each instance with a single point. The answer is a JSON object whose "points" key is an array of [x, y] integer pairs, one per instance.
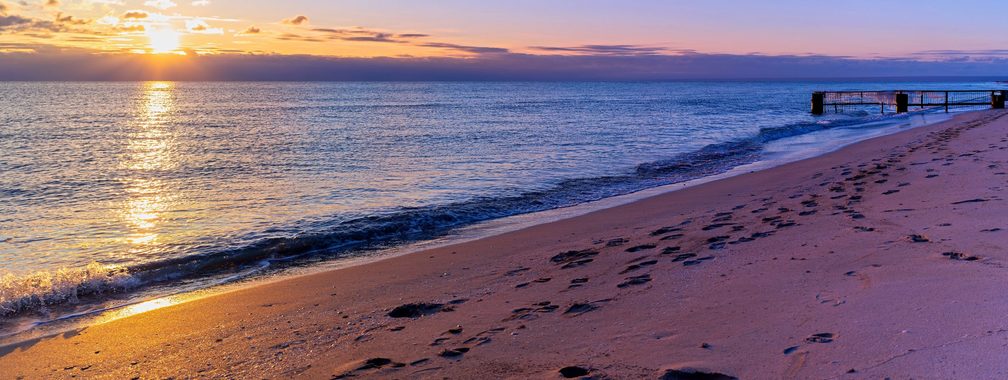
{"points": [[20, 293]]}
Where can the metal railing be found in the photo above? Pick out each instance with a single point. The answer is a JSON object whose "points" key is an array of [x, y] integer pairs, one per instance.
{"points": [[905, 100]]}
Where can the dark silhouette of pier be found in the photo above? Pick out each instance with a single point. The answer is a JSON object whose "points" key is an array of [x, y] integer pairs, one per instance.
{"points": [[903, 100]]}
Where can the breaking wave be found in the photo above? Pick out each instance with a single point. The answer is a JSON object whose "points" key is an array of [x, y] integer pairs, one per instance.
{"points": [[66, 285]]}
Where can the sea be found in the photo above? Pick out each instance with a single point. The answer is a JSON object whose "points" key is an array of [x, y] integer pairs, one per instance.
{"points": [[116, 193]]}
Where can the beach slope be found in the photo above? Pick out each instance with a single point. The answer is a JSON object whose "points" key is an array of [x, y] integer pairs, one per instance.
{"points": [[885, 258]]}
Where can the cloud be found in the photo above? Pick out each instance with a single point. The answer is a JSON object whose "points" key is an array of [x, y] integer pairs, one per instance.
{"points": [[296, 20], [137, 15], [962, 55], [604, 49], [3, 9], [160, 4], [68, 19], [32, 27], [200, 3], [198, 26], [52, 3], [366, 35], [135, 28], [298, 37], [377, 37], [21, 24], [18, 47], [252, 30], [465, 48], [359, 35], [13, 20], [587, 63]]}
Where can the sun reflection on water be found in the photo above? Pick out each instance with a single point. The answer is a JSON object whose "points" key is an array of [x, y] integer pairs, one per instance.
{"points": [[151, 149]]}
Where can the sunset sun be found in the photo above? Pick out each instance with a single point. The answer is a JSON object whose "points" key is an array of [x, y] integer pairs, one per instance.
{"points": [[163, 40]]}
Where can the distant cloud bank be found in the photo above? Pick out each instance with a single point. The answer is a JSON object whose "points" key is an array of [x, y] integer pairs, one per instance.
{"points": [[599, 62]]}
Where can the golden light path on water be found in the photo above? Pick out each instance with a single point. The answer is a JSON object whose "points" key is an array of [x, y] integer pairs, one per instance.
{"points": [[151, 149]]}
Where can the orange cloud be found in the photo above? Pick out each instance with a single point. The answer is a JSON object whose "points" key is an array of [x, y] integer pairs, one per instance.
{"points": [[131, 28], [68, 19], [135, 15], [199, 26], [297, 20]]}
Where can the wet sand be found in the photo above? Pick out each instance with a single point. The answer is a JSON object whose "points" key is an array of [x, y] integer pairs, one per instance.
{"points": [[885, 258]]}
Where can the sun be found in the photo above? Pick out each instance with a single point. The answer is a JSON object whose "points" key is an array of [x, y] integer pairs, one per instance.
{"points": [[163, 40]]}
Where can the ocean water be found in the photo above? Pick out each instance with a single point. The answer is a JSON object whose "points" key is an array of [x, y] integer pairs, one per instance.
{"points": [[118, 188]]}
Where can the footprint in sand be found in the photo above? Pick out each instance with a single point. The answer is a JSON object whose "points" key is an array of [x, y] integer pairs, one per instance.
{"points": [[579, 308], [454, 353], [716, 226], [483, 337], [671, 250], [641, 247], [699, 261], [531, 312], [368, 365], [683, 257], [639, 266], [578, 282], [821, 338], [517, 271], [665, 230], [572, 259], [635, 280], [960, 256], [617, 242]]}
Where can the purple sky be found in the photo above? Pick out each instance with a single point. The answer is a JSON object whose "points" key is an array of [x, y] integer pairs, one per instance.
{"points": [[498, 40]]}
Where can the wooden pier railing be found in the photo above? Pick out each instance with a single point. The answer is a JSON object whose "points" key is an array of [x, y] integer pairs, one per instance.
{"points": [[902, 100]]}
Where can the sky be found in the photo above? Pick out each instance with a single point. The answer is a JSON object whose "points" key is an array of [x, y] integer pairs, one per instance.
{"points": [[491, 39]]}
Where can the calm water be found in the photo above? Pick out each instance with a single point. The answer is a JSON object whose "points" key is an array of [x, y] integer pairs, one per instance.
{"points": [[179, 181]]}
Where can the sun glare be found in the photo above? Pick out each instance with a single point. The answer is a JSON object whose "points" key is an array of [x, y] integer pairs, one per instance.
{"points": [[163, 40]]}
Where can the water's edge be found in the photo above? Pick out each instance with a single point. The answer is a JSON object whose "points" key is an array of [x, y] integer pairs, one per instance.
{"points": [[260, 269]]}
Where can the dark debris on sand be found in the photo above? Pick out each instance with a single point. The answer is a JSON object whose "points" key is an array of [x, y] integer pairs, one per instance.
{"points": [[573, 371], [693, 374], [417, 310]]}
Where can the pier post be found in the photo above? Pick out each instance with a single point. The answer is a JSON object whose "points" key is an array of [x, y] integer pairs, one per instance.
{"points": [[998, 99], [902, 103], [817, 103]]}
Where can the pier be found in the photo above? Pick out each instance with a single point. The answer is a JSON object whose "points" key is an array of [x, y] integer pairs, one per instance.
{"points": [[901, 101]]}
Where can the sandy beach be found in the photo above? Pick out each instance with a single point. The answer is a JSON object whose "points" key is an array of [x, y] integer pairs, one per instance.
{"points": [[882, 259]]}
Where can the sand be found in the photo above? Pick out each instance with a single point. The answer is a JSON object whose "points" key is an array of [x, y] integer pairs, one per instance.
{"points": [[885, 258]]}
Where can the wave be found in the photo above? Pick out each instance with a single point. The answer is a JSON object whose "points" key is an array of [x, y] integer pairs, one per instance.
{"points": [[335, 238], [66, 285]]}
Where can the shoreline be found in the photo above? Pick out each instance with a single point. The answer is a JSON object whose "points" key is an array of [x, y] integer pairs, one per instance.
{"points": [[488, 278], [222, 284]]}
